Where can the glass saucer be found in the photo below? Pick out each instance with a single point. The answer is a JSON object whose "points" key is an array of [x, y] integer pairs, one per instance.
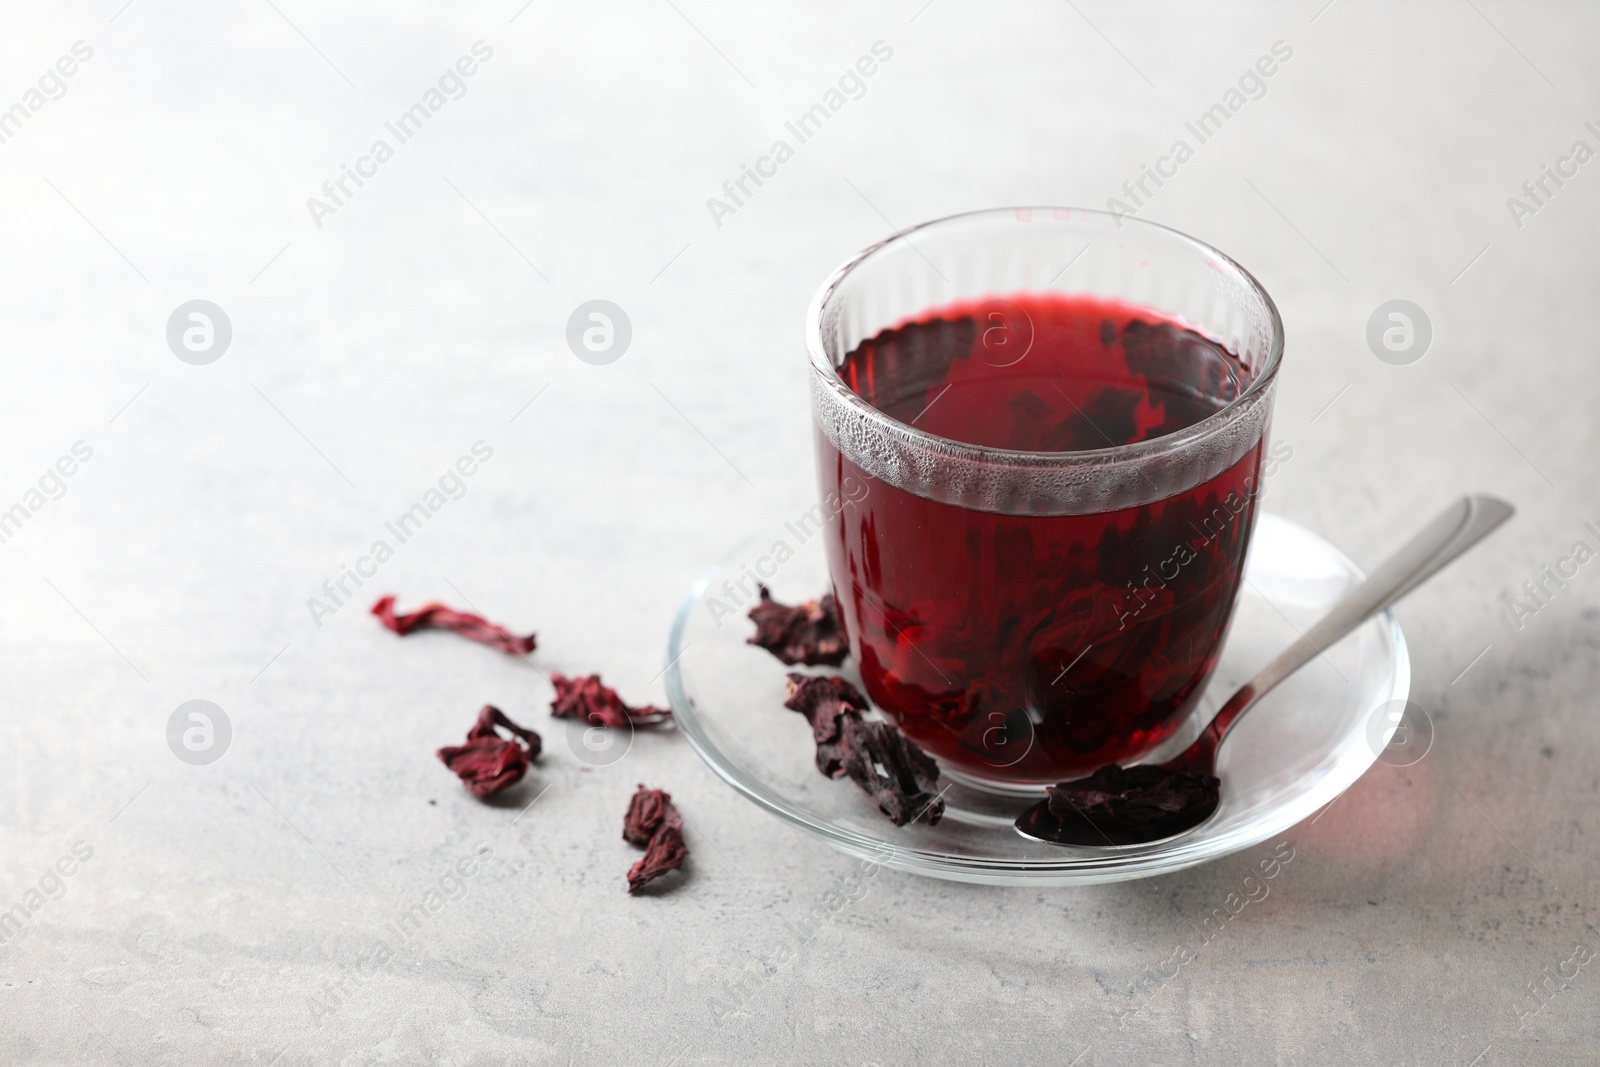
{"points": [[1299, 749]]}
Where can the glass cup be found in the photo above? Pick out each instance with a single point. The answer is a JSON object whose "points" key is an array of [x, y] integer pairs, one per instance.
{"points": [[1029, 616]]}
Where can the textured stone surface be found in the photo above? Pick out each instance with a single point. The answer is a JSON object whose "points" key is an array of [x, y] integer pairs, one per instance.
{"points": [[372, 351]]}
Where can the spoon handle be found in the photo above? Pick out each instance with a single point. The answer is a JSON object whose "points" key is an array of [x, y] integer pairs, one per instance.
{"points": [[1459, 527]]}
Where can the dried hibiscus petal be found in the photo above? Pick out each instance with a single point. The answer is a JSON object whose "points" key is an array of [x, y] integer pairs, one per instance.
{"points": [[1130, 805], [653, 824], [487, 762], [647, 812], [588, 700], [439, 617], [666, 852], [811, 634], [900, 778], [898, 775], [825, 701]]}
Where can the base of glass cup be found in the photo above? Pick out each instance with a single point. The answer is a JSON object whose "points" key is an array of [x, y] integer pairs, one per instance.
{"points": [[1169, 748], [995, 786]]}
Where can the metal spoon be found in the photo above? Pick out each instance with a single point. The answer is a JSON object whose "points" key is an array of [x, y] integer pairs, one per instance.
{"points": [[1126, 806]]}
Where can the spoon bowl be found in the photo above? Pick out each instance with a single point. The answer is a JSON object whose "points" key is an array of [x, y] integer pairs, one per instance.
{"points": [[1039, 823]]}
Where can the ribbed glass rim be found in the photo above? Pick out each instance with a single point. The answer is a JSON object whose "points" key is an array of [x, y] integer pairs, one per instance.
{"points": [[823, 364]]}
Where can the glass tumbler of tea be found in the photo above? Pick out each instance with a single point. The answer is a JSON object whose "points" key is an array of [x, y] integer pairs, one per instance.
{"points": [[1060, 417]]}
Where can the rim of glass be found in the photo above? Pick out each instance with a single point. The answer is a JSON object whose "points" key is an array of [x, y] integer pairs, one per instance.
{"points": [[823, 364]]}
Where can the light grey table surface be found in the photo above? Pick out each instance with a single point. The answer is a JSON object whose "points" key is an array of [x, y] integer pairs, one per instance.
{"points": [[375, 344]]}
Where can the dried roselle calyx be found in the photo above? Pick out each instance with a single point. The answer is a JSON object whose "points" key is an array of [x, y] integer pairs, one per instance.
{"points": [[825, 700], [1131, 805], [653, 824], [806, 693], [666, 852], [647, 812], [587, 700], [438, 617], [487, 762], [811, 634], [900, 778]]}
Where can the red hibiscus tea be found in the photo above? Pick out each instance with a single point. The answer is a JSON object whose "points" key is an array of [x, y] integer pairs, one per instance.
{"points": [[1061, 494]]}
